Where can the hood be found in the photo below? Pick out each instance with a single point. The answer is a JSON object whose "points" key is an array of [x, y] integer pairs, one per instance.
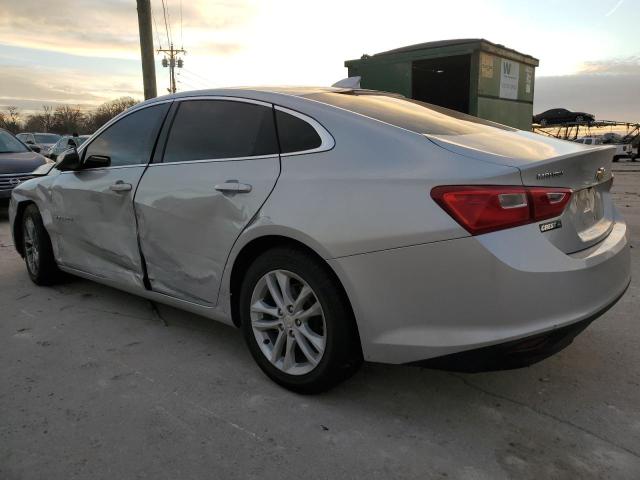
{"points": [[21, 162]]}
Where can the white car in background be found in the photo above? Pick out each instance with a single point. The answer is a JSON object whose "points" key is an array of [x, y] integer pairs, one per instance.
{"points": [[623, 150], [42, 140]]}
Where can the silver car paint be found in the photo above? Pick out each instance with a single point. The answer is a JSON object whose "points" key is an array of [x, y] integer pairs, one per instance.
{"points": [[419, 285], [95, 226], [175, 200]]}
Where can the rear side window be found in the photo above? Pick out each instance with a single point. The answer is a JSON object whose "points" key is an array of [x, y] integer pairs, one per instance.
{"points": [[130, 140], [295, 134], [212, 129]]}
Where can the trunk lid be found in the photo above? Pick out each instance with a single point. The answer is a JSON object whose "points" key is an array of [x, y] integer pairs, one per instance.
{"points": [[549, 162]]}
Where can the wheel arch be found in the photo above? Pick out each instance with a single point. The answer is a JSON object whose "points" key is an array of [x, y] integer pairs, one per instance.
{"points": [[17, 225], [254, 248]]}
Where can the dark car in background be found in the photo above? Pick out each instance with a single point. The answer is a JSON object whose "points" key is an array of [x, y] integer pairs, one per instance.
{"points": [[44, 141], [65, 143], [17, 162], [560, 116]]}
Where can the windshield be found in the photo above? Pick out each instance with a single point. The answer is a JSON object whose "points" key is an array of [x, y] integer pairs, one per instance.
{"points": [[10, 144], [46, 137]]}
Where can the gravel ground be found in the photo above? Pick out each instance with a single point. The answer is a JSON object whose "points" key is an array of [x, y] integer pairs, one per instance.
{"points": [[96, 384]]}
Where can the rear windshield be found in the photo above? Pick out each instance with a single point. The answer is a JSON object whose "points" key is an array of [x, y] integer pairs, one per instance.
{"points": [[412, 115]]}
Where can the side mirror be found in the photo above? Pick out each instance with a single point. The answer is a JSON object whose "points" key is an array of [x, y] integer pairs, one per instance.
{"points": [[71, 143], [30, 142], [97, 161], [68, 160], [34, 148]]}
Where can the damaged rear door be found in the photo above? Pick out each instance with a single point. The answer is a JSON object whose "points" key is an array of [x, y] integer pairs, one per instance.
{"points": [[220, 163], [92, 208]]}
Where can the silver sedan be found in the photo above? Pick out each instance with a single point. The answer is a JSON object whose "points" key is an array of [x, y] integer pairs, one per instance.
{"points": [[335, 226]]}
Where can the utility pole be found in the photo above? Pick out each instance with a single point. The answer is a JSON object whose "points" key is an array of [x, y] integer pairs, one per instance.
{"points": [[146, 49], [172, 61]]}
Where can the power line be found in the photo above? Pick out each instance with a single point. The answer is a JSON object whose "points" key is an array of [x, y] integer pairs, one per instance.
{"points": [[189, 84], [166, 27], [193, 83], [196, 75], [181, 40], [192, 79], [169, 17], [155, 26]]}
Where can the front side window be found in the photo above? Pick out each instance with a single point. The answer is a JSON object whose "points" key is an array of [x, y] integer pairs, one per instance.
{"points": [[130, 140], [215, 129]]}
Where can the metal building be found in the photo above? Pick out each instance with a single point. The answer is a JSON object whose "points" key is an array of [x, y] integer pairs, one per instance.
{"points": [[469, 75]]}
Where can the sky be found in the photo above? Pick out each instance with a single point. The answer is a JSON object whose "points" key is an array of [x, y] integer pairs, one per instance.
{"points": [[86, 52]]}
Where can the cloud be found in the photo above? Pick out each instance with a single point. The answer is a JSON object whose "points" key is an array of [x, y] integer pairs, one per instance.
{"points": [[616, 66], [30, 87], [110, 29], [608, 88]]}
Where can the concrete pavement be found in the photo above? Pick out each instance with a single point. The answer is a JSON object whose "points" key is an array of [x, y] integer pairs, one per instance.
{"points": [[95, 384]]}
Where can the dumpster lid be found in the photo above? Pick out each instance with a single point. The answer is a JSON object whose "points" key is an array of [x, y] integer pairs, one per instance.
{"points": [[475, 43]]}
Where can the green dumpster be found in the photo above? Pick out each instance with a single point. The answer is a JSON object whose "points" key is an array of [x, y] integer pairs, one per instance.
{"points": [[469, 75]]}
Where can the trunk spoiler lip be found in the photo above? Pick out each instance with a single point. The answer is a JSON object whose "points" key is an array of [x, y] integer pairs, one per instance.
{"points": [[512, 161], [530, 168]]}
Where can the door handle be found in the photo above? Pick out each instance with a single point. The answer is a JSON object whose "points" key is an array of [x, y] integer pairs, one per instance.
{"points": [[120, 186], [233, 186]]}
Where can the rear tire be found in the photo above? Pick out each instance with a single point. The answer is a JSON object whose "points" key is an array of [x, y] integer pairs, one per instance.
{"points": [[38, 253], [616, 159], [323, 346]]}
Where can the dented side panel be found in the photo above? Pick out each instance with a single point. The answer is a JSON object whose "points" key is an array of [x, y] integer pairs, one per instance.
{"points": [[187, 227], [95, 226]]}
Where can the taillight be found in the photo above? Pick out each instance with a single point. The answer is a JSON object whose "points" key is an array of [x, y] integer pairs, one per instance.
{"points": [[482, 209]]}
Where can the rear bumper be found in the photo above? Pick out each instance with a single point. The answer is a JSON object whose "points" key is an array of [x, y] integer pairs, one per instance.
{"points": [[426, 301], [516, 353]]}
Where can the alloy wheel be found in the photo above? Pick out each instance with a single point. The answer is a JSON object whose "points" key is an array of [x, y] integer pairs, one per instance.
{"points": [[288, 322], [31, 245]]}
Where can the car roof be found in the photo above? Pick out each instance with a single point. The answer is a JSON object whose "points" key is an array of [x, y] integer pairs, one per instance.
{"points": [[38, 133], [273, 94]]}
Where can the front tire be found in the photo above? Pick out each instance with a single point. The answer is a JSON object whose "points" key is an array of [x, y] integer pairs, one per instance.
{"points": [[38, 253], [297, 324]]}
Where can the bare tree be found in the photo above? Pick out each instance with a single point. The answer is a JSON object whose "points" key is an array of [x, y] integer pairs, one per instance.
{"points": [[11, 120], [107, 111], [47, 118], [34, 123], [67, 119]]}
